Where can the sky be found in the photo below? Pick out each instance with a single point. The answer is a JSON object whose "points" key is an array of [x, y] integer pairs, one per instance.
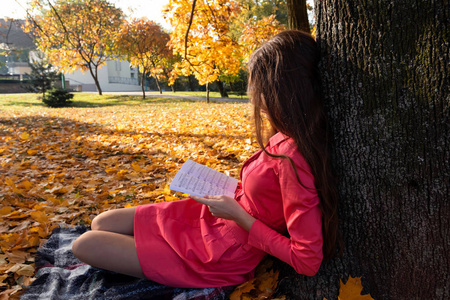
{"points": [[141, 8]]}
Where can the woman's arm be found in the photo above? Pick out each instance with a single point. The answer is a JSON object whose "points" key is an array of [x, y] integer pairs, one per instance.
{"points": [[227, 208]]}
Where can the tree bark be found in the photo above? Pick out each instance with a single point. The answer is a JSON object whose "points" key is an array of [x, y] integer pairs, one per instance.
{"points": [[157, 84], [94, 74], [222, 91], [143, 84], [298, 15], [385, 72], [191, 85]]}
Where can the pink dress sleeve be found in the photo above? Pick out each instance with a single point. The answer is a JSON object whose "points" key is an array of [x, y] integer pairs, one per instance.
{"points": [[303, 250]]}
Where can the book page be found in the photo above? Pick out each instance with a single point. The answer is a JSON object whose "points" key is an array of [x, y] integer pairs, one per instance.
{"points": [[199, 180]]}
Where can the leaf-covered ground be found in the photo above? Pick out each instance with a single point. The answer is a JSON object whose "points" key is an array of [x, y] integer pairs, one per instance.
{"points": [[61, 167]]}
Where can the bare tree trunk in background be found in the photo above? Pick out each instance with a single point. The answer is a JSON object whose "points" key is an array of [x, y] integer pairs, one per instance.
{"points": [[143, 84], [93, 70], [222, 91], [385, 71], [298, 15], [191, 85], [158, 85]]}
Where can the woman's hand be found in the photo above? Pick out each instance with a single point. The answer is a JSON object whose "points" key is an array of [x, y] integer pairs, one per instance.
{"points": [[227, 208]]}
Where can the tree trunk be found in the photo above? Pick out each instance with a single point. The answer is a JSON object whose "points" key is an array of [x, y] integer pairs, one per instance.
{"points": [[94, 74], [143, 84], [385, 71], [298, 15], [207, 92], [157, 84], [191, 85], [223, 92], [386, 79]]}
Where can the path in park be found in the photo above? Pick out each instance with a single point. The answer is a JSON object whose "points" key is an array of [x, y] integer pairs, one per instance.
{"points": [[158, 95]]}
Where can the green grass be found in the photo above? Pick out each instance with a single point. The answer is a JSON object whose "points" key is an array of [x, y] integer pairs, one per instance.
{"points": [[95, 100], [202, 94]]}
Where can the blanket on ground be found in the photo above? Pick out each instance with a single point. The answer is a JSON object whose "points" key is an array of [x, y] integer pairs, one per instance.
{"points": [[62, 276]]}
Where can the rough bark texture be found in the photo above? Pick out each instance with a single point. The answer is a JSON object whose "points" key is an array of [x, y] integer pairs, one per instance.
{"points": [[298, 15], [385, 71], [222, 91]]}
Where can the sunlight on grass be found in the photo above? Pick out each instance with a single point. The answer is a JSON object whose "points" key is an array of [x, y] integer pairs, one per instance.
{"points": [[95, 100]]}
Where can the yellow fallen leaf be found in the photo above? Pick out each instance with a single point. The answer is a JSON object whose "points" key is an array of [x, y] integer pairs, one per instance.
{"points": [[17, 215], [352, 290], [26, 184], [136, 166], [39, 216], [24, 136], [5, 210], [22, 269], [31, 152], [246, 287], [12, 185], [33, 240]]}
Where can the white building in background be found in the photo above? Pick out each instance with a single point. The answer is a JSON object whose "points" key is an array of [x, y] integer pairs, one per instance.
{"points": [[18, 68], [115, 76]]}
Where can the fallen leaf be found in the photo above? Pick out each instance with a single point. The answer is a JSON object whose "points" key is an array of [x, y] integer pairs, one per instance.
{"points": [[39, 216], [352, 290], [24, 136]]}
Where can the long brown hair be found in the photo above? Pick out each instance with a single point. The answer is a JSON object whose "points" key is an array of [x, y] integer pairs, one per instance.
{"points": [[284, 81]]}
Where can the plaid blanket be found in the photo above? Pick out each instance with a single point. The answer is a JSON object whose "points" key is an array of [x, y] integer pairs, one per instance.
{"points": [[62, 276]]}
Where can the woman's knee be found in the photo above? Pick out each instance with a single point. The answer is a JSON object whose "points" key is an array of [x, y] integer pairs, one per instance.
{"points": [[117, 220], [99, 222], [83, 245]]}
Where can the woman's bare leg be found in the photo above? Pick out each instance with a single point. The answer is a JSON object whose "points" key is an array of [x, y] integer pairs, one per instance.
{"points": [[110, 244], [110, 251], [117, 220]]}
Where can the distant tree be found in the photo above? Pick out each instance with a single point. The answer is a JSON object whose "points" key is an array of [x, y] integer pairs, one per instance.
{"points": [[201, 37], [43, 75], [257, 10], [256, 32], [75, 34], [144, 44]]}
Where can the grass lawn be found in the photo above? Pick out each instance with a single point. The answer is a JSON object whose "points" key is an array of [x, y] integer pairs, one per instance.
{"points": [[203, 94]]}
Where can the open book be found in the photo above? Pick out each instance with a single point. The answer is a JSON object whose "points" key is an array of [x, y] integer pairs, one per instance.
{"points": [[199, 180]]}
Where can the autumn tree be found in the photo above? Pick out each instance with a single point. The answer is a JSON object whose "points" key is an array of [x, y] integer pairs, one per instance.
{"points": [[201, 36], [257, 10], [144, 44], [75, 34], [385, 71], [256, 32]]}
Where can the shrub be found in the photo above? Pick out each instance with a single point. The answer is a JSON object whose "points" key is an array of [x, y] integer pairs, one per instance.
{"points": [[57, 98]]}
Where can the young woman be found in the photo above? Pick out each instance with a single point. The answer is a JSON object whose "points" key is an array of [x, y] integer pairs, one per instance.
{"points": [[286, 186]]}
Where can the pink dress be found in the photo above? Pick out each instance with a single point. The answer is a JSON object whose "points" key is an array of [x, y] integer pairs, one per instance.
{"points": [[181, 244]]}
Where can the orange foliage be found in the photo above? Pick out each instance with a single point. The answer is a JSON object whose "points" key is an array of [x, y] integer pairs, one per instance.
{"points": [[144, 44], [255, 33], [75, 35], [211, 52]]}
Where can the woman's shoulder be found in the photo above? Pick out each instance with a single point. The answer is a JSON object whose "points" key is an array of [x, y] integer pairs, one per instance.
{"points": [[283, 144]]}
